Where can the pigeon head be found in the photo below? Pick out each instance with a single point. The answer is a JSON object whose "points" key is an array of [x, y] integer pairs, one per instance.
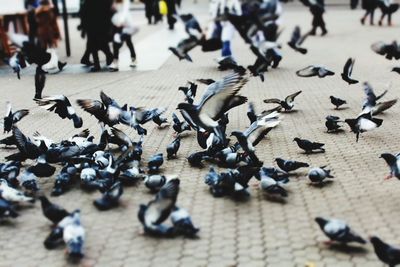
{"points": [[321, 221], [236, 133], [296, 139], [189, 108], [389, 158]]}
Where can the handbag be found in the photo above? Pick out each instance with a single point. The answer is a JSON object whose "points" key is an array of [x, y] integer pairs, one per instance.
{"points": [[162, 5]]}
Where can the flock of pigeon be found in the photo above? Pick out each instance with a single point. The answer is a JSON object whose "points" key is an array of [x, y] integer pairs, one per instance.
{"points": [[115, 160]]}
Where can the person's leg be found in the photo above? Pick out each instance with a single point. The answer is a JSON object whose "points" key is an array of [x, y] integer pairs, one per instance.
{"points": [[314, 25], [226, 37], [322, 25], [367, 12], [85, 60], [381, 19], [390, 19], [371, 21], [128, 40]]}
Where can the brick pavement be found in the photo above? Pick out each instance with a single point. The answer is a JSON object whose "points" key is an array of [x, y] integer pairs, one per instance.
{"points": [[257, 232]]}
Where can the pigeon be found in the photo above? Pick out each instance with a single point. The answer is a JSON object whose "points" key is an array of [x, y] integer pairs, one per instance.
{"points": [[155, 162], [218, 99], [337, 102], [29, 181], [363, 123], [155, 182], [319, 174], [189, 91], [60, 104], [6, 208], [371, 99], [247, 146], [158, 210], [13, 195], [206, 81], [347, 71], [393, 161], [179, 126], [332, 123], [290, 165], [121, 139], [17, 62], [110, 198], [27, 149], [42, 168], [381, 107], [10, 170], [182, 223], [52, 211], [107, 111], [390, 51], [286, 104], [8, 141], [40, 80], [309, 146], [338, 231], [74, 237], [315, 70], [386, 253], [297, 40], [64, 179], [274, 173], [396, 69], [228, 63], [173, 147], [272, 187], [12, 118]]}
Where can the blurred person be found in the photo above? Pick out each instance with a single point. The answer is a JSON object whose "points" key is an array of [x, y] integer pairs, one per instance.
{"points": [[369, 6], [96, 23], [317, 9], [123, 31], [152, 11], [388, 8]]}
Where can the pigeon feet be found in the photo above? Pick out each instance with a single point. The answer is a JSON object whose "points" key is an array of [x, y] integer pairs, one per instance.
{"points": [[388, 177]]}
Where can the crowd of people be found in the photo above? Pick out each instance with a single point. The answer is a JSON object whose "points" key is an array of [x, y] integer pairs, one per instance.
{"points": [[105, 22]]}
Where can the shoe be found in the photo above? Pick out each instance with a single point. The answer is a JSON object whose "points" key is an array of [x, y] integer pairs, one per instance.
{"points": [[312, 32], [95, 69], [277, 59], [109, 59], [61, 65], [113, 66], [133, 62], [380, 23], [324, 32], [362, 21], [87, 62]]}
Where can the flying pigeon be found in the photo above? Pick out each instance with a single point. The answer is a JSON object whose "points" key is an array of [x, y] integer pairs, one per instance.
{"points": [[309, 146], [338, 231], [189, 91], [314, 70], [363, 123], [319, 174], [60, 105], [337, 102], [347, 71], [386, 253], [155, 182], [297, 40], [12, 118], [286, 104], [218, 99], [290, 165], [158, 210]]}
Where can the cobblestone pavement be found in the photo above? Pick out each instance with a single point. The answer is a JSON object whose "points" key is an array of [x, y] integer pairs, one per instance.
{"points": [[257, 232]]}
